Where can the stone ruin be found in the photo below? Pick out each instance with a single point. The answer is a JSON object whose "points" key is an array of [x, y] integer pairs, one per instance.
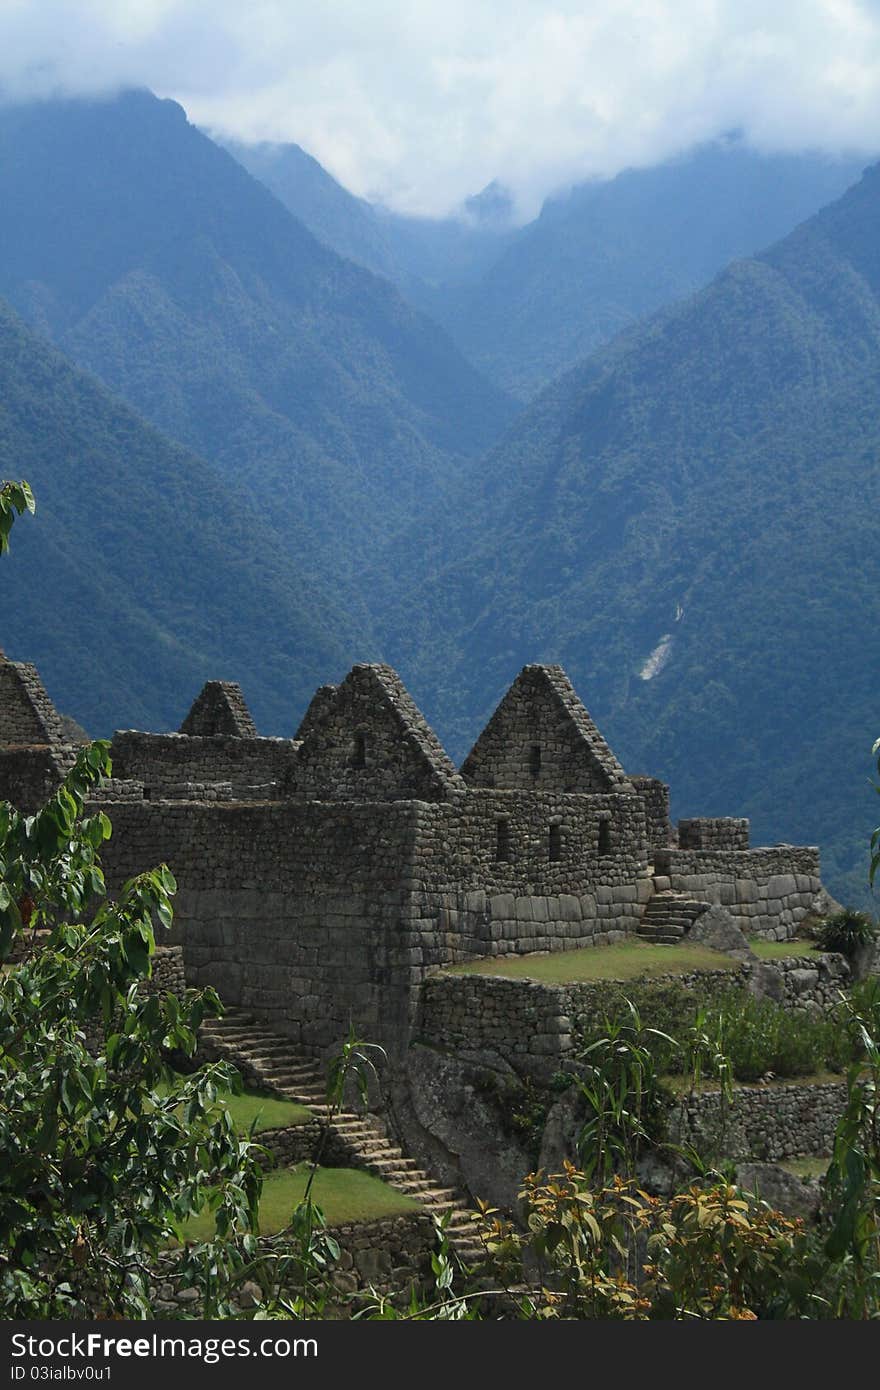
{"points": [[322, 878]]}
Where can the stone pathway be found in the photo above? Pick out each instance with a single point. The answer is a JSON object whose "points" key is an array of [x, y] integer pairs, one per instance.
{"points": [[272, 1062]]}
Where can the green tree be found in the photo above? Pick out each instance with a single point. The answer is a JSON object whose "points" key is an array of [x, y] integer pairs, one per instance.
{"points": [[15, 498], [106, 1149]]}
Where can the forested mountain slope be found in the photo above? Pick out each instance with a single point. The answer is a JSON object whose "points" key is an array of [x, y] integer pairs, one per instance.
{"points": [[157, 263], [143, 573], [527, 303], [607, 254], [687, 523]]}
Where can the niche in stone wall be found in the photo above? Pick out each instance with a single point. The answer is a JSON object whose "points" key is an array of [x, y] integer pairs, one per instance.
{"points": [[359, 749], [554, 843], [604, 836], [535, 760], [502, 841]]}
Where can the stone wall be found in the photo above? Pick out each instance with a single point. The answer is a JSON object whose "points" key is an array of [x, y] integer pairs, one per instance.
{"points": [[220, 709], [534, 1026], [802, 984], [169, 972], [317, 915], [512, 872], [27, 715], [294, 912], [713, 832], [30, 776], [365, 740], [530, 1025], [299, 1143], [292, 1144], [390, 1255], [658, 826], [767, 892], [541, 738], [165, 763], [770, 1122]]}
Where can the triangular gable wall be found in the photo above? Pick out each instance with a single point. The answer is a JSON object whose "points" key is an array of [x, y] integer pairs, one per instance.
{"points": [[366, 740], [219, 709], [541, 738], [27, 715]]}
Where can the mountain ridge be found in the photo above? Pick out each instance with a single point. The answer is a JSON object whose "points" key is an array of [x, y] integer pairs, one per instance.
{"points": [[709, 478]]}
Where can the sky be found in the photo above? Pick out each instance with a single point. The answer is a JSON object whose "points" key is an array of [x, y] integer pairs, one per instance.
{"points": [[420, 103]]}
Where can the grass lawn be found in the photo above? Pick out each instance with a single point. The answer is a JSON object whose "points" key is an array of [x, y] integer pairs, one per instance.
{"points": [[344, 1194], [809, 1167], [773, 950], [627, 960], [682, 1084], [269, 1112]]}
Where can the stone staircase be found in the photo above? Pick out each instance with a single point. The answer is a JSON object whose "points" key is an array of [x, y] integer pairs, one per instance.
{"points": [[669, 916], [274, 1063]]}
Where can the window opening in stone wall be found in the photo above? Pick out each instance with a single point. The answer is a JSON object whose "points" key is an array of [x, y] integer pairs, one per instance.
{"points": [[147, 794], [535, 759], [604, 837], [502, 841], [359, 752], [554, 848]]}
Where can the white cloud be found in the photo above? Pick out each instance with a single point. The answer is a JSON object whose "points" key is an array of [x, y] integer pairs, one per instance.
{"points": [[422, 102]]}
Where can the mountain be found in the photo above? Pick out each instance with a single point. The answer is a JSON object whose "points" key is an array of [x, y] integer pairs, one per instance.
{"points": [[152, 259], [686, 522], [607, 253], [423, 256], [336, 217], [143, 573], [525, 304]]}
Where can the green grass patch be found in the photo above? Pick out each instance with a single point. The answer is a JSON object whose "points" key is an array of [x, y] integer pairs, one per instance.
{"points": [[343, 1194], [262, 1110], [681, 1085], [627, 960], [807, 1167], [775, 950]]}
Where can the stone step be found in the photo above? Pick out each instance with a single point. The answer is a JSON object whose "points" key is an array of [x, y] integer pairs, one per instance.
{"points": [[395, 1167], [397, 1162], [241, 1030], [668, 917], [440, 1203], [284, 1076], [284, 1069]]}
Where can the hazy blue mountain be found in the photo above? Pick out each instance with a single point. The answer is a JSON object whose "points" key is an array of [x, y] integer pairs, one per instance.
{"points": [[606, 254], [527, 303], [704, 492], [143, 573], [336, 217], [422, 255], [158, 264]]}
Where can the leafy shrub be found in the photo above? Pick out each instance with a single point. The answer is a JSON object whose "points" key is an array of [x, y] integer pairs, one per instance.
{"points": [[666, 1006], [761, 1036], [846, 931], [750, 1036]]}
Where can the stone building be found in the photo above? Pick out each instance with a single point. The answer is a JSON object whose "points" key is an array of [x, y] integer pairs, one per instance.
{"points": [[323, 877]]}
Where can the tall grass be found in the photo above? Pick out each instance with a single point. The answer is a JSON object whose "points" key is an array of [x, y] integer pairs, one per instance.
{"points": [[750, 1037]]}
